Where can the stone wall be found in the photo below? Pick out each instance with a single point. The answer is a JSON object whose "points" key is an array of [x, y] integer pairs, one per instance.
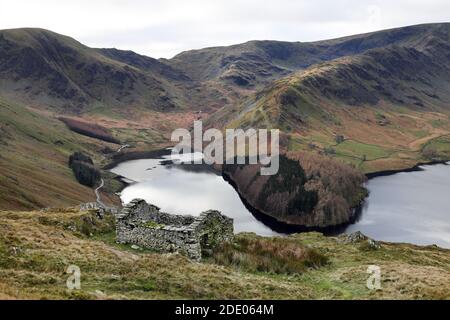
{"points": [[145, 225], [101, 210]]}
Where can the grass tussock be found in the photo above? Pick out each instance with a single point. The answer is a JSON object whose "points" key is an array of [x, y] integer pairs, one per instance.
{"points": [[273, 255]]}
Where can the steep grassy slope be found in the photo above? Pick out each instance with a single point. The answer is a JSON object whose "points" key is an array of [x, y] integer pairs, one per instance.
{"points": [[386, 104], [33, 161], [55, 71], [49, 70], [248, 66], [36, 249]]}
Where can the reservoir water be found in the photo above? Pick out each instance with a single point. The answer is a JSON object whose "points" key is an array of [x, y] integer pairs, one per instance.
{"points": [[177, 190], [409, 207]]}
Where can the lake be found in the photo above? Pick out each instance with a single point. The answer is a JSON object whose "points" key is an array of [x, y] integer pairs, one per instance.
{"points": [[409, 207], [177, 190]]}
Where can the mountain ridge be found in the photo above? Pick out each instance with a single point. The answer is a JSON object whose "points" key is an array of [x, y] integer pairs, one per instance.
{"points": [[75, 78], [377, 101], [49, 68], [308, 53]]}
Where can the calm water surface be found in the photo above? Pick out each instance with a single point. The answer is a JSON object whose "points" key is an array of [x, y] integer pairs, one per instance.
{"points": [[409, 207], [406, 207], [179, 191]]}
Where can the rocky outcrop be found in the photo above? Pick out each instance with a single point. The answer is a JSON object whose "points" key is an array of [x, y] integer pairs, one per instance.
{"points": [[145, 225], [358, 237]]}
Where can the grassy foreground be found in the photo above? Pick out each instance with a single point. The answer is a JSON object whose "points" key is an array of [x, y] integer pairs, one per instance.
{"points": [[37, 247]]}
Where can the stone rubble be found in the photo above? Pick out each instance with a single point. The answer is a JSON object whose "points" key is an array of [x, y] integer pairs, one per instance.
{"points": [[145, 225], [357, 237]]}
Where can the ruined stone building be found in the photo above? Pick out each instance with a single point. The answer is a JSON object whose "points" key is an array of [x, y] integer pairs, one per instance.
{"points": [[145, 225]]}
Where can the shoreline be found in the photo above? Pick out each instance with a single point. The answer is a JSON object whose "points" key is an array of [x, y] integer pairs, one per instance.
{"points": [[415, 168], [273, 223], [283, 227], [118, 158], [151, 154]]}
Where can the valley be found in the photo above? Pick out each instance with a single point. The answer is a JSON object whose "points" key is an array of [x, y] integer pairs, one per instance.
{"points": [[375, 102], [348, 109]]}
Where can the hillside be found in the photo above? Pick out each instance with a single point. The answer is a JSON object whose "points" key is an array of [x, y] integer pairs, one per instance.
{"points": [[45, 69], [241, 68], [304, 266], [35, 153], [309, 190], [377, 101], [387, 104], [347, 106], [49, 70]]}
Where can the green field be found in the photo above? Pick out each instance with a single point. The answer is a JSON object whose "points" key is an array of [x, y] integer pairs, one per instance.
{"points": [[351, 148]]}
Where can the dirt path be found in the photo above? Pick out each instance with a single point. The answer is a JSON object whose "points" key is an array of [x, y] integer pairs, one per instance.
{"points": [[122, 147], [97, 191], [97, 194], [417, 144]]}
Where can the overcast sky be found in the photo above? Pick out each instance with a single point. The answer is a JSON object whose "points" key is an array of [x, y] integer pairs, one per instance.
{"points": [[163, 28]]}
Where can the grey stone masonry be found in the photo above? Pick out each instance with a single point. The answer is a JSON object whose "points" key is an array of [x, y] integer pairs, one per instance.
{"points": [[101, 210], [145, 225]]}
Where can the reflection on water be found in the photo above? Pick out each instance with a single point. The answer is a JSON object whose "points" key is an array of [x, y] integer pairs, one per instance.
{"points": [[406, 207], [179, 191]]}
